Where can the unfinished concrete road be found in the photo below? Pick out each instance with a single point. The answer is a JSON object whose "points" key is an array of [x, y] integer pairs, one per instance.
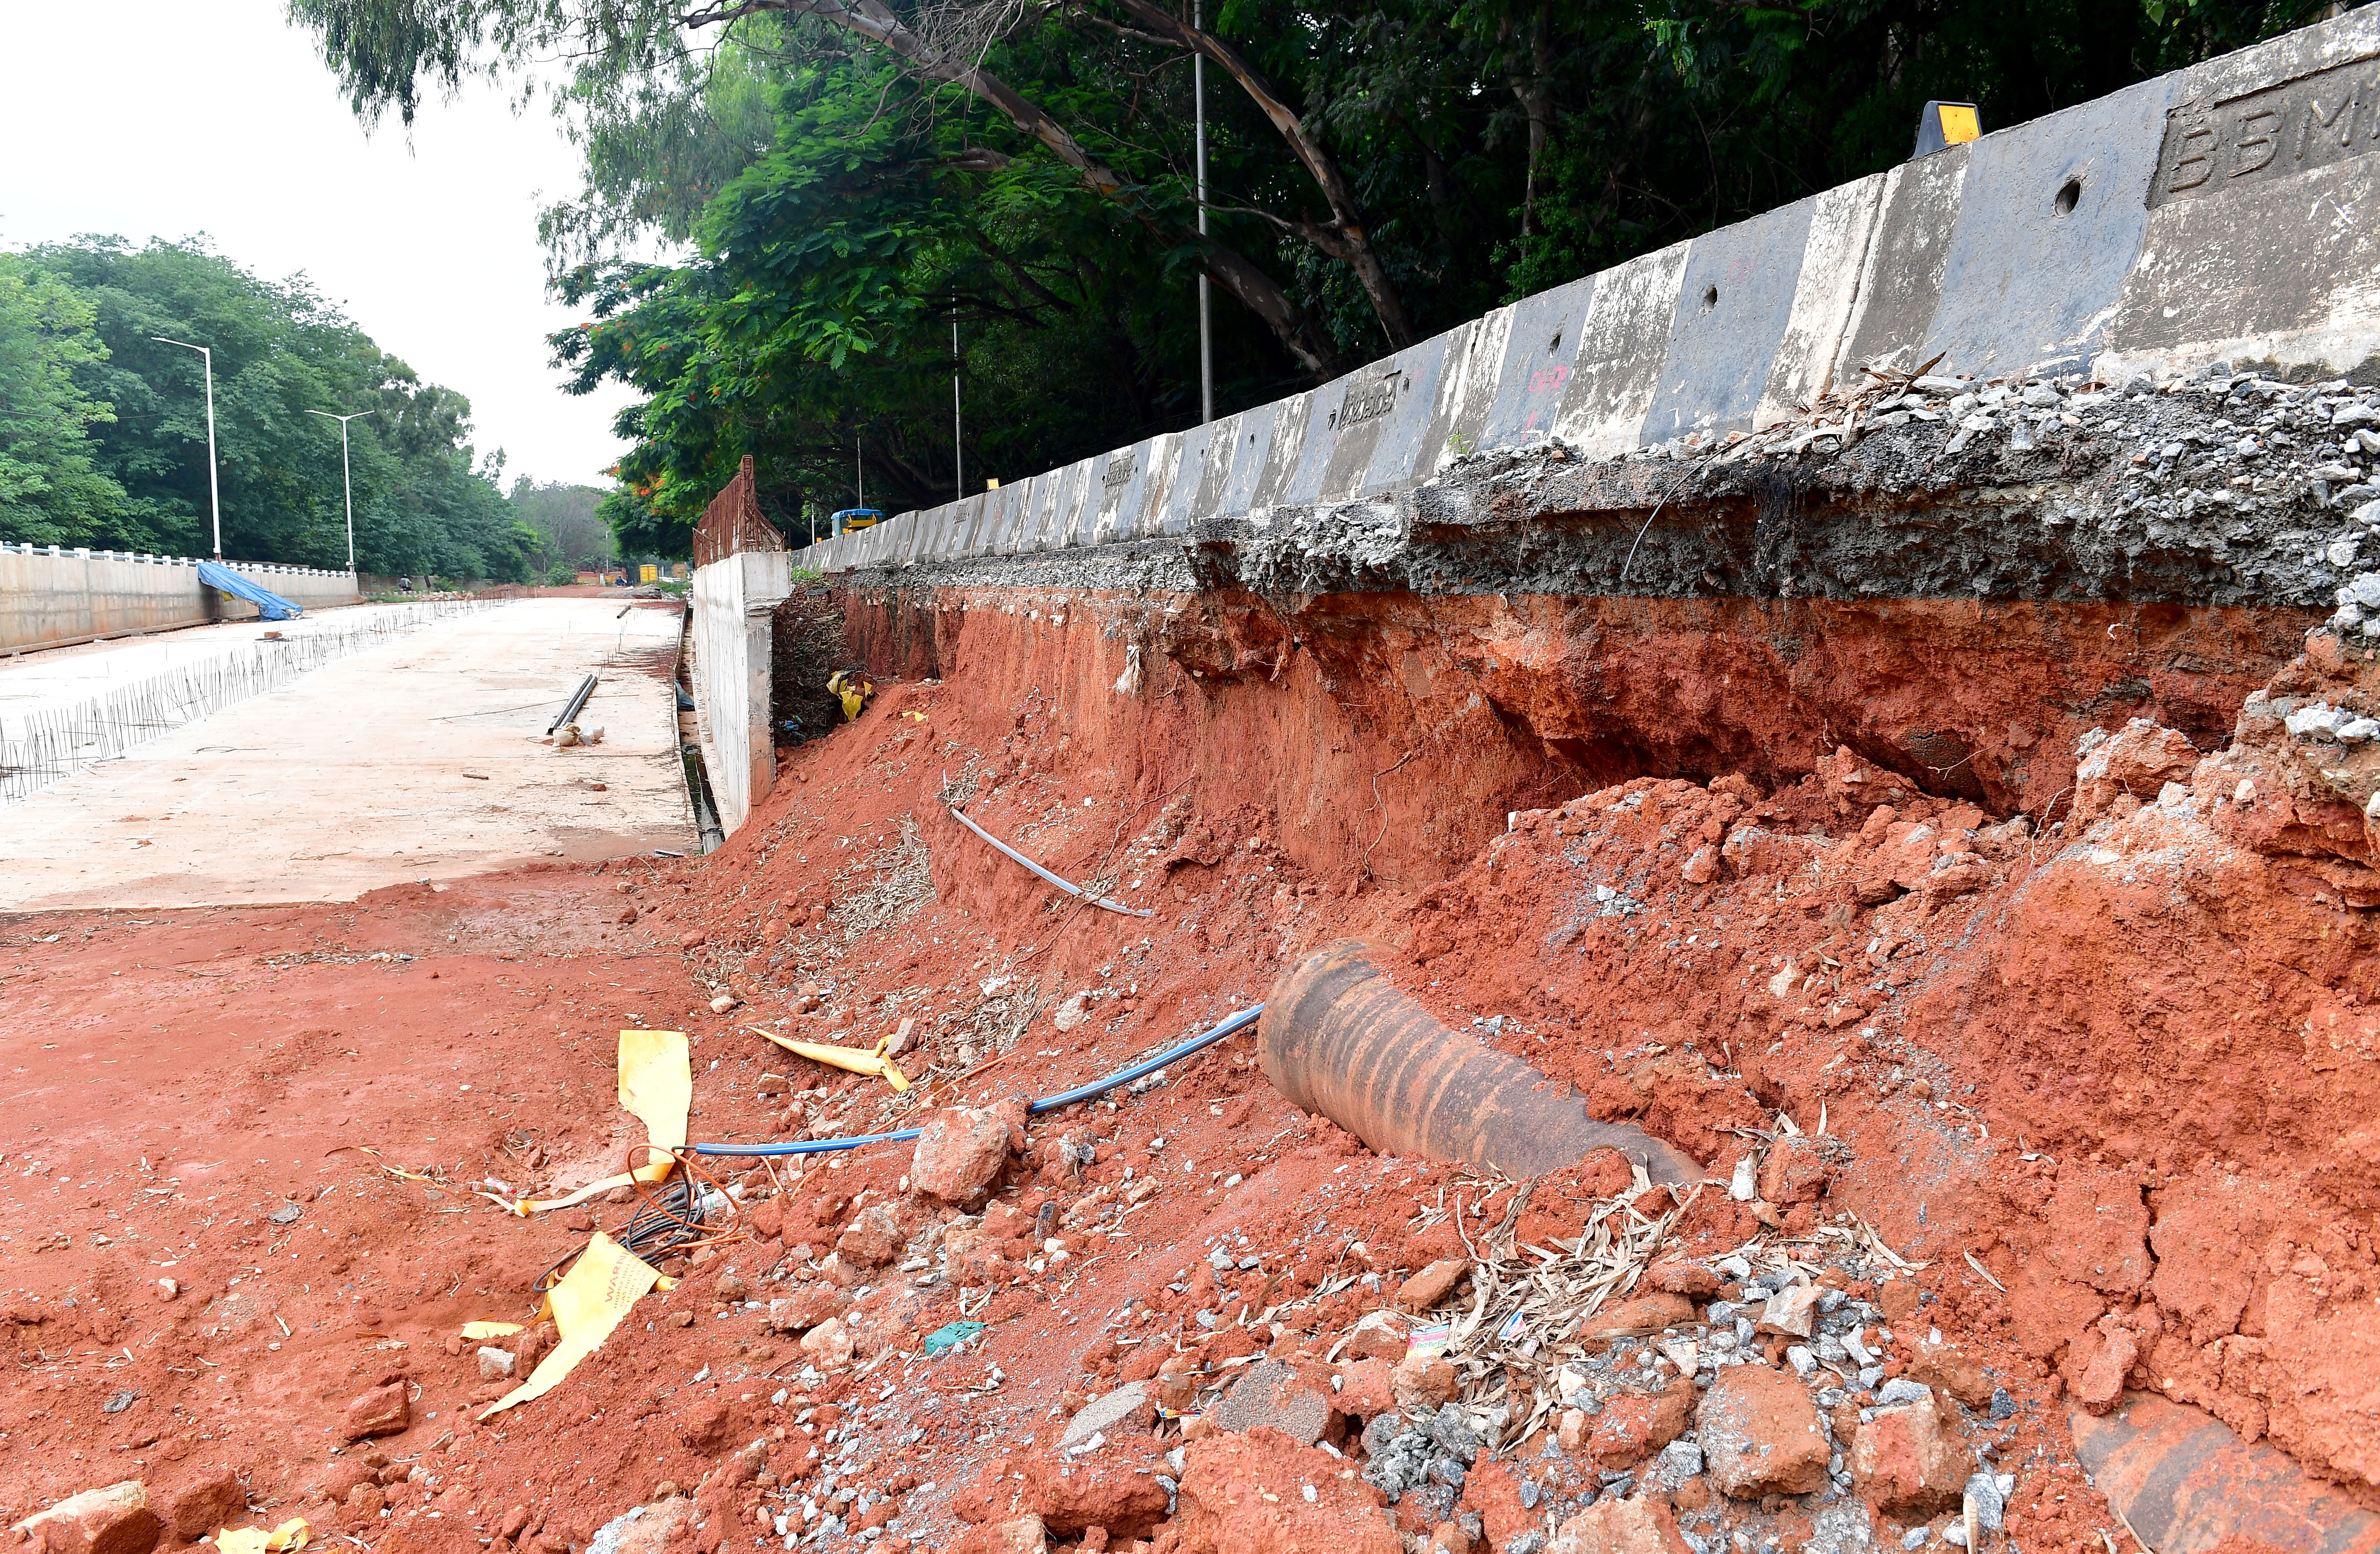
{"points": [[420, 760], [34, 682]]}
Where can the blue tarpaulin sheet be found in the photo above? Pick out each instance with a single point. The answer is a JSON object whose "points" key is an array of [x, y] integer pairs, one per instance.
{"points": [[272, 606]]}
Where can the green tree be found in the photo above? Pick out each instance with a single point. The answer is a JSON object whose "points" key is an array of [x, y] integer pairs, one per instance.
{"points": [[855, 175], [570, 536], [51, 491], [816, 321], [425, 500]]}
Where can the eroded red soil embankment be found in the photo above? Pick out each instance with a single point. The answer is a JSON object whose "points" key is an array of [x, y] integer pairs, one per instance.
{"points": [[1534, 695], [2170, 1149], [2120, 1064]]}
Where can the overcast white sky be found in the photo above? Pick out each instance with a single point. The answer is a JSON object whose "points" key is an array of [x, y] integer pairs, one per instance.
{"points": [[148, 119]]}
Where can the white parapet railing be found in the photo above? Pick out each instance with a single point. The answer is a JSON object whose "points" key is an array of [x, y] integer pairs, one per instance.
{"points": [[53, 596]]}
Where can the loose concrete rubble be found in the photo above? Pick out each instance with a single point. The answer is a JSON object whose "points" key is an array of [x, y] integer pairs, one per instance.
{"points": [[961, 1151], [114, 1520], [1760, 1434]]}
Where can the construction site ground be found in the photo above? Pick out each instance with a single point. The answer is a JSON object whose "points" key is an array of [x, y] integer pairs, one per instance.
{"points": [[2051, 1130]]}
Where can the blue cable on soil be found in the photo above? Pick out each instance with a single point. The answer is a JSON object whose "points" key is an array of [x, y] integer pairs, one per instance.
{"points": [[1231, 1025]]}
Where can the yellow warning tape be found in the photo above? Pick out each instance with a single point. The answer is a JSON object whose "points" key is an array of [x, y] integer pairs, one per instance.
{"points": [[656, 1087], [856, 1058], [598, 1291]]}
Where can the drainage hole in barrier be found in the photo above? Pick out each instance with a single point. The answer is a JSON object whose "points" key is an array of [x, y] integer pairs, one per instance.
{"points": [[2068, 196], [1710, 298]]}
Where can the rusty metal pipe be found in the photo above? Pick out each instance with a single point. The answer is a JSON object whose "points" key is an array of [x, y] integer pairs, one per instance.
{"points": [[1339, 1039], [2184, 1483]]}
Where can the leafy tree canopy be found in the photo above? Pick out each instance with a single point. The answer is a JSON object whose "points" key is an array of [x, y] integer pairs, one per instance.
{"points": [[115, 451], [569, 535], [50, 492], [839, 182]]}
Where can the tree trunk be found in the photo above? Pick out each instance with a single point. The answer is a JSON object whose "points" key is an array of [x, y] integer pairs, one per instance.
{"points": [[1531, 86], [1345, 238]]}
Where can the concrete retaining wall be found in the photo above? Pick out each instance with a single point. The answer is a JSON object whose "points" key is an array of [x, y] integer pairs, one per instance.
{"points": [[2223, 212], [734, 602], [51, 597]]}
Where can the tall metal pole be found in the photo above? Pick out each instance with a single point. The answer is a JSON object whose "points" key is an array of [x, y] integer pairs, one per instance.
{"points": [[215, 490], [347, 471], [1206, 313], [958, 445]]}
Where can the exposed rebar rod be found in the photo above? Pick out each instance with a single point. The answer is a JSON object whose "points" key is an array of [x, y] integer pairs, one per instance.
{"points": [[47, 746]]}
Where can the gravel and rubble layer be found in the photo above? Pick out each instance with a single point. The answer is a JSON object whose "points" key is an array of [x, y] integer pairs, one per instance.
{"points": [[2000, 1120], [2213, 491]]}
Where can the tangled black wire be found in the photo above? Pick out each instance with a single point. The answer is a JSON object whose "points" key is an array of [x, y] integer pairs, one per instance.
{"points": [[673, 1218]]}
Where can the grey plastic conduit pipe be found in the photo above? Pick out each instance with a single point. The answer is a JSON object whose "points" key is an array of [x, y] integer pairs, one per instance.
{"points": [[1071, 890], [572, 708]]}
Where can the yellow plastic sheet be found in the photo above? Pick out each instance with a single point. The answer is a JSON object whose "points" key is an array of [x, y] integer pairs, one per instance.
{"points": [[598, 1291], [291, 1534], [657, 1084], [854, 690], [656, 1087], [852, 1057], [491, 1330]]}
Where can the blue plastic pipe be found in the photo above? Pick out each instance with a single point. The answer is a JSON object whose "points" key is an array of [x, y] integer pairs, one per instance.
{"points": [[1231, 1025]]}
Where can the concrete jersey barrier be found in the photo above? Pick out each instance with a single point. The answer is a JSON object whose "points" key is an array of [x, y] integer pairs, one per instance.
{"points": [[2220, 213]]}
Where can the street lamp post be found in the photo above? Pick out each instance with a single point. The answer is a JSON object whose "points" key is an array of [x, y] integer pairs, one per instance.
{"points": [[347, 471], [215, 490], [1206, 316]]}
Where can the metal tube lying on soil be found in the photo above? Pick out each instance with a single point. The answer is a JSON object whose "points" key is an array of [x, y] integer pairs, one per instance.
{"points": [[571, 708], [1070, 888], [1341, 1040]]}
